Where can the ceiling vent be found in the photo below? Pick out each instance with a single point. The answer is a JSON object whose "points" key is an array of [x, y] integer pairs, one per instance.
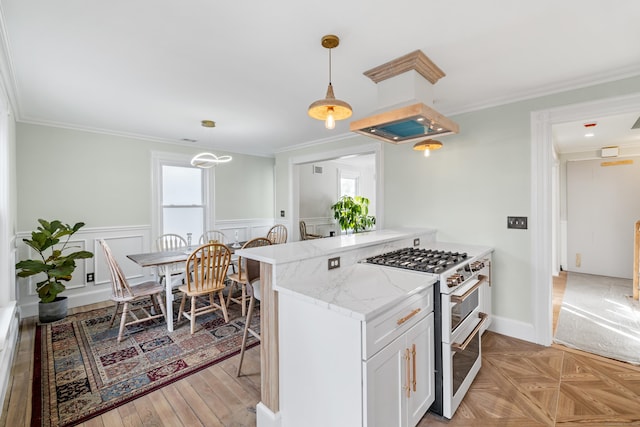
{"points": [[405, 98]]}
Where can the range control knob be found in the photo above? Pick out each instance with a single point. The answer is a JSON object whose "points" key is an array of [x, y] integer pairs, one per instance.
{"points": [[454, 280]]}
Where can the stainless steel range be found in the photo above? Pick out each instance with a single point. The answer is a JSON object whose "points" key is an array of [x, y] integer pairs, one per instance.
{"points": [[458, 297]]}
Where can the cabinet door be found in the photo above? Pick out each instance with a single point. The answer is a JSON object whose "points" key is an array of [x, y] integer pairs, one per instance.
{"points": [[385, 398], [420, 338]]}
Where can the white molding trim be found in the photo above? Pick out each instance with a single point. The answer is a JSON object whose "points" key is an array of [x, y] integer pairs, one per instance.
{"points": [[513, 328], [265, 417], [161, 158], [542, 162], [10, 326]]}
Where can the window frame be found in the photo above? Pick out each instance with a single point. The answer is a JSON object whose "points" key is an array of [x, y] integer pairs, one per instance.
{"points": [[348, 174], [160, 159]]}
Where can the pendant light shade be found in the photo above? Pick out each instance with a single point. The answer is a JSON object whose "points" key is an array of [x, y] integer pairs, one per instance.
{"points": [[330, 109], [427, 146]]}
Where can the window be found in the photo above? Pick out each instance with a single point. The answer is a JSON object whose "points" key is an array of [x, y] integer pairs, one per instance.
{"points": [[349, 183], [182, 201], [181, 197]]}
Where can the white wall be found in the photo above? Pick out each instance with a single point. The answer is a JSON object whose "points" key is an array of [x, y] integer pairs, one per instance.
{"points": [[467, 189], [602, 208], [318, 191], [105, 181]]}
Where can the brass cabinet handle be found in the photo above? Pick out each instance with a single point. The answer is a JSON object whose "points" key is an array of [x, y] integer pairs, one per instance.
{"points": [[459, 299], [408, 316], [463, 346], [408, 386], [413, 357]]}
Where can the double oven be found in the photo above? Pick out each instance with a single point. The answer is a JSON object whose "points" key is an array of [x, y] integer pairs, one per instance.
{"points": [[464, 275], [458, 301]]}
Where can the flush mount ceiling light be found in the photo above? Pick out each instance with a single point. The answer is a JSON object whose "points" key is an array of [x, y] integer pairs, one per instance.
{"points": [[330, 109], [208, 160], [427, 146]]}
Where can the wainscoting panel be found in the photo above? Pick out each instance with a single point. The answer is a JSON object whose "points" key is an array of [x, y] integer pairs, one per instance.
{"points": [[123, 241], [320, 225], [247, 228]]}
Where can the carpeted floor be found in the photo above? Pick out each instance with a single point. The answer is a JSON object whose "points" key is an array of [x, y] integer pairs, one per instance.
{"points": [[598, 315], [82, 371]]}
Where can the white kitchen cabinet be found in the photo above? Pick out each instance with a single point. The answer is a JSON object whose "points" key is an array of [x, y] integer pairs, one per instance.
{"points": [[335, 368], [398, 380]]}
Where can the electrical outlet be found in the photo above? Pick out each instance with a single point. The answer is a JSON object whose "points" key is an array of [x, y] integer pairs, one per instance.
{"points": [[519, 222], [416, 242], [282, 213], [334, 263], [578, 260], [90, 277]]}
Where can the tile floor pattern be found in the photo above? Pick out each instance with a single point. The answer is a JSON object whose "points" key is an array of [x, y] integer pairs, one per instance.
{"points": [[523, 384]]}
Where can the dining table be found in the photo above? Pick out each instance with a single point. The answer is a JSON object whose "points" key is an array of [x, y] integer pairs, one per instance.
{"points": [[176, 256]]}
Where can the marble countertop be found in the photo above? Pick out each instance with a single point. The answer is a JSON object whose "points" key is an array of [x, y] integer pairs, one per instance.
{"points": [[355, 289], [297, 251], [361, 291]]}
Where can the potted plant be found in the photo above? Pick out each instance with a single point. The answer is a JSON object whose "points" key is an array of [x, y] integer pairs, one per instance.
{"points": [[54, 263], [352, 213]]}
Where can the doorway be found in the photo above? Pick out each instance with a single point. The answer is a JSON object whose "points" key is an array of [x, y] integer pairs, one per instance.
{"points": [[324, 170], [542, 156]]}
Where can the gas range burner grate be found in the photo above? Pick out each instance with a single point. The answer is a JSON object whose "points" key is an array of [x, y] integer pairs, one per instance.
{"points": [[418, 259]]}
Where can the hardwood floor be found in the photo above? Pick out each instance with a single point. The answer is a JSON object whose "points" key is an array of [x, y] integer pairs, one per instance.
{"points": [[523, 384], [520, 384], [212, 397]]}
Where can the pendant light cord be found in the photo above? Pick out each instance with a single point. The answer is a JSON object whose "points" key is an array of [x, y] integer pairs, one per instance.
{"points": [[329, 66]]}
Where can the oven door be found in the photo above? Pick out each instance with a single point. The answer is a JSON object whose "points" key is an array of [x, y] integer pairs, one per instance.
{"points": [[460, 305], [461, 361]]}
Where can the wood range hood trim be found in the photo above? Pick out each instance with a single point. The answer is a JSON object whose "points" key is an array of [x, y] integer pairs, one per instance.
{"points": [[410, 122]]}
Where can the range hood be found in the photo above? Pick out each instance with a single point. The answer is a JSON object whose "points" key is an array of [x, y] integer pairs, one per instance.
{"points": [[405, 87]]}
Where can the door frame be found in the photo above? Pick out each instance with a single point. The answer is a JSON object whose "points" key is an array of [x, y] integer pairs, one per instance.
{"points": [[542, 164], [368, 148]]}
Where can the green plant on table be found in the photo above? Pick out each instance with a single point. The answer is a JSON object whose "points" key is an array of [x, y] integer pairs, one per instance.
{"points": [[352, 213], [57, 266]]}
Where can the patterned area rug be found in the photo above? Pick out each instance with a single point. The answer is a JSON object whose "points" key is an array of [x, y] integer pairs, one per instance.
{"points": [[598, 315], [81, 371]]}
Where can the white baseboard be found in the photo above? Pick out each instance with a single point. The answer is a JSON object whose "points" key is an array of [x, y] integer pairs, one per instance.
{"points": [[513, 328], [31, 309], [267, 418], [9, 325]]}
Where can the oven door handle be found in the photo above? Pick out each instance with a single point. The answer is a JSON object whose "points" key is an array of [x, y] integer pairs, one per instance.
{"points": [[459, 298], [461, 347]]}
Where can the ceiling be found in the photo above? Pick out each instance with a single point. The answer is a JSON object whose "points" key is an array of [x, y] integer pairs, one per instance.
{"points": [[155, 68]]}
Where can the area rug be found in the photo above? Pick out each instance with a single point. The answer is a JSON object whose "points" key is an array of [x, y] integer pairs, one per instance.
{"points": [[81, 371], [598, 315]]}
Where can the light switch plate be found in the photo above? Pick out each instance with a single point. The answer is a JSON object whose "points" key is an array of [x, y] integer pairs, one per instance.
{"points": [[518, 222]]}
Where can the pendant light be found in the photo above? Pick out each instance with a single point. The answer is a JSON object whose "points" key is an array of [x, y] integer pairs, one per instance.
{"points": [[427, 146], [330, 109], [208, 160]]}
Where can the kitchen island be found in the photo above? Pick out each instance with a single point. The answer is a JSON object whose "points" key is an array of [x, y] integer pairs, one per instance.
{"points": [[324, 319]]}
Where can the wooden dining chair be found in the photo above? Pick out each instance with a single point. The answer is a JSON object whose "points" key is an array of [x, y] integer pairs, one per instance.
{"points": [[171, 242], [123, 293], [253, 292], [277, 234], [208, 266], [241, 278], [212, 235], [307, 236]]}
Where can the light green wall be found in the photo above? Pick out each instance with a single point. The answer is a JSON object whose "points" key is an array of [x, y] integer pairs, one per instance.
{"points": [[467, 189], [105, 180]]}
